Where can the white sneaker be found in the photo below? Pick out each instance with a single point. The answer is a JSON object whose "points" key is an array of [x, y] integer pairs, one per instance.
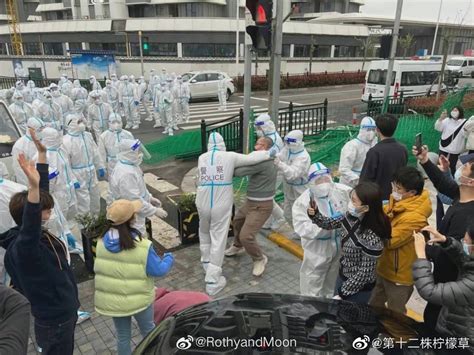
{"points": [[175, 128], [135, 126], [165, 131], [214, 289], [157, 124], [170, 132], [149, 119], [82, 316], [259, 266], [233, 250]]}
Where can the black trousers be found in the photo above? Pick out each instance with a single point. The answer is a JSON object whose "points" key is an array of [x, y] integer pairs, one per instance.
{"points": [[56, 339]]}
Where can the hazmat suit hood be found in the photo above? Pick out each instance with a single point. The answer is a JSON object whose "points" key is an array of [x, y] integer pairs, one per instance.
{"points": [[216, 142], [367, 130], [115, 122], [31, 84], [75, 124], [129, 152], [77, 84], [19, 85], [34, 123], [265, 123], [319, 180], [294, 141], [51, 138]]}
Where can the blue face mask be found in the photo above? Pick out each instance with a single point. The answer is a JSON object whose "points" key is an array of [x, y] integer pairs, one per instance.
{"points": [[465, 247]]}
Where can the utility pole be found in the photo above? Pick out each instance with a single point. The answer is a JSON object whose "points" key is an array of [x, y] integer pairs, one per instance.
{"points": [[437, 26], [237, 35], [247, 84], [393, 52], [277, 45], [141, 52]]}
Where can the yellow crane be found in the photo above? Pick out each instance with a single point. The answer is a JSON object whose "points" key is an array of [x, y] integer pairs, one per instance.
{"points": [[14, 27]]}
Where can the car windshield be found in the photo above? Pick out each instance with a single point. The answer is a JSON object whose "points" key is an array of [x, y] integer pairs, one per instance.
{"points": [[8, 131], [455, 62], [187, 76]]}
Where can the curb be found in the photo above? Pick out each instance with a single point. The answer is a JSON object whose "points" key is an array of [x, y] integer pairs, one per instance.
{"points": [[295, 249]]}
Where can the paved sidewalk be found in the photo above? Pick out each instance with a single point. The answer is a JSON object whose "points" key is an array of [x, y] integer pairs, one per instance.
{"points": [[96, 336]]}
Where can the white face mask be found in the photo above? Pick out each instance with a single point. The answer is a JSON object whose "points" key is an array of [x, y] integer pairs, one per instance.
{"points": [[55, 93], [455, 114], [397, 196], [97, 101], [320, 190], [367, 136], [116, 126], [353, 211], [81, 127]]}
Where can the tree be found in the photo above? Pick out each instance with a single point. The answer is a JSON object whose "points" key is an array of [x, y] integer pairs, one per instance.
{"points": [[312, 47], [367, 45], [406, 43]]}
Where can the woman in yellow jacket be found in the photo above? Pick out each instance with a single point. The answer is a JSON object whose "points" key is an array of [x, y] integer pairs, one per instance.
{"points": [[408, 209], [125, 266]]}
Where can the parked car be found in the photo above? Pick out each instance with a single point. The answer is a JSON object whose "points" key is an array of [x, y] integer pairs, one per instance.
{"points": [[463, 66], [9, 134], [203, 84], [281, 324]]}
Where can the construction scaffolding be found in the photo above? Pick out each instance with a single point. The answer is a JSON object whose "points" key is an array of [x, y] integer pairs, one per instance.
{"points": [[14, 28]]}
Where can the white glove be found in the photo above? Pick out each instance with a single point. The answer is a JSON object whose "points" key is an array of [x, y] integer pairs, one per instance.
{"points": [[155, 202], [337, 297], [161, 213], [277, 161]]}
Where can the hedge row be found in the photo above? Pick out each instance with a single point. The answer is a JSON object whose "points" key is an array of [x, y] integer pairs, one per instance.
{"points": [[260, 83]]}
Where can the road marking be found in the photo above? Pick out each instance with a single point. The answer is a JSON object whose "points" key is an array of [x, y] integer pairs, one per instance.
{"points": [[220, 114]]}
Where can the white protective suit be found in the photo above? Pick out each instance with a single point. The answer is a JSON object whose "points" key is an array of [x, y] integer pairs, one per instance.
{"points": [[29, 93], [65, 85], [63, 101], [79, 97], [214, 202], [182, 94], [156, 105], [62, 181], [322, 248], [163, 76], [21, 111], [165, 109], [83, 154], [222, 92], [50, 112], [293, 162], [115, 81], [142, 90], [95, 85], [126, 182], [112, 95], [128, 98], [264, 127], [98, 115], [26, 146], [109, 142], [354, 152], [4, 173]]}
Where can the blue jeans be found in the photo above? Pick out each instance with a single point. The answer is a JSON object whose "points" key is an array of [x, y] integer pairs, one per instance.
{"points": [[361, 297], [123, 326], [56, 339]]}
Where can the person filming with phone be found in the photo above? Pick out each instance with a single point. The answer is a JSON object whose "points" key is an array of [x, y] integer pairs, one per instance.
{"points": [[455, 298], [453, 136]]}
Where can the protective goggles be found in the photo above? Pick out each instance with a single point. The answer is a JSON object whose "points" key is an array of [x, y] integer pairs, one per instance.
{"points": [[290, 140], [259, 123], [136, 145], [319, 173]]}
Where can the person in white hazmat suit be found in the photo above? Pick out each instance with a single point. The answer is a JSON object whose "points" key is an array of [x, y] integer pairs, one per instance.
{"points": [[128, 99], [214, 200], [293, 162], [109, 142], [156, 105], [21, 111], [50, 112], [65, 85], [95, 85], [83, 154], [25, 145], [63, 183], [163, 76], [126, 182], [142, 90], [98, 115], [264, 127], [165, 110], [322, 248], [222, 92], [182, 94], [79, 97], [115, 81], [153, 86], [29, 93], [63, 101], [4, 173], [112, 95], [354, 152]]}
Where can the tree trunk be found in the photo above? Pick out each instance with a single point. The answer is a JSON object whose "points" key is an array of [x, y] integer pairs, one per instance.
{"points": [[443, 66]]}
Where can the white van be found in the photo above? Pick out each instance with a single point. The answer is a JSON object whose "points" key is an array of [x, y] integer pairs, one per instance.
{"points": [[463, 66], [9, 134], [412, 77]]}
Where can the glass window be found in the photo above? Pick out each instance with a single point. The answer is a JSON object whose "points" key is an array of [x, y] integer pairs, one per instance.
{"points": [[344, 51], [301, 50], [379, 77], [9, 134], [75, 45], [53, 48], [173, 10], [198, 50], [224, 50], [163, 49], [187, 76], [212, 76], [455, 62], [464, 64], [286, 51], [200, 78], [32, 48], [471, 62], [419, 78]]}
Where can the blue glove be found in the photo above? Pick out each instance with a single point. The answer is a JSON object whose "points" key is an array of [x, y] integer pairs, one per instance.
{"points": [[77, 185], [71, 241], [137, 103], [101, 172]]}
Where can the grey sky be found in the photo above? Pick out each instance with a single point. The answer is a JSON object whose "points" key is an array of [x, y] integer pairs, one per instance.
{"points": [[452, 11]]}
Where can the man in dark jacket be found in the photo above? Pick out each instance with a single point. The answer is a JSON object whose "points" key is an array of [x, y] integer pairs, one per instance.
{"points": [[37, 263], [14, 322], [455, 221], [386, 157], [456, 318]]}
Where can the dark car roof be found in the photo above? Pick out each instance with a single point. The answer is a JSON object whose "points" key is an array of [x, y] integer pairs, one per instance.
{"points": [[314, 325]]}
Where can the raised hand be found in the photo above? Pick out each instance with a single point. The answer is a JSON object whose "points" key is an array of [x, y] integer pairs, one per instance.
{"points": [[29, 168], [443, 163]]}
